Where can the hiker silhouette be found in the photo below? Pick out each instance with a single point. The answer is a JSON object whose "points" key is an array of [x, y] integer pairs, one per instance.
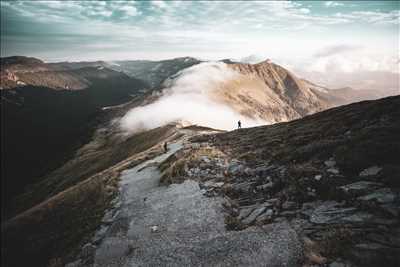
{"points": [[165, 147], [239, 124]]}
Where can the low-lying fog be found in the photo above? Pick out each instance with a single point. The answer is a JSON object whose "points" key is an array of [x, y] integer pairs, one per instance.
{"points": [[187, 99]]}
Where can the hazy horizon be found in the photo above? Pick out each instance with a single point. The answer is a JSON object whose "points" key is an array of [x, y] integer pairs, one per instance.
{"points": [[311, 38]]}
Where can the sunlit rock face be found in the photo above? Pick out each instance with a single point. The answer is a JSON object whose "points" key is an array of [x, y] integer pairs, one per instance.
{"points": [[217, 95]]}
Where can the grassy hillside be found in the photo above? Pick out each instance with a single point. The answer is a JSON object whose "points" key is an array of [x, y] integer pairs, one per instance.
{"points": [[43, 127], [67, 207]]}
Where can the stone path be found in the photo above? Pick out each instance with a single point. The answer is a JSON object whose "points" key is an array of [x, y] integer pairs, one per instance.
{"points": [[177, 225]]}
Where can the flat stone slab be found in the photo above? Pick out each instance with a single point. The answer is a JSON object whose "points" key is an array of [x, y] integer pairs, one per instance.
{"points": [[374, 170]]}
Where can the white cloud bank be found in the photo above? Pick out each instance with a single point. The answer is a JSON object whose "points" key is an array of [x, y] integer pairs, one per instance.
{"points": [[187, 99]]}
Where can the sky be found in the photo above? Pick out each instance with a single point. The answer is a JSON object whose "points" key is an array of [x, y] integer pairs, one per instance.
{"points": [[316, 36]]}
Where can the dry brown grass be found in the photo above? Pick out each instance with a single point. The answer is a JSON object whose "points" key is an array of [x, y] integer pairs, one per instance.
{"points": [[58, 226]]}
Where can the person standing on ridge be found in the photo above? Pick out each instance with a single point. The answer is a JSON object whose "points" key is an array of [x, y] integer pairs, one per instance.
{"points": [[165, 147], [239, 124]]}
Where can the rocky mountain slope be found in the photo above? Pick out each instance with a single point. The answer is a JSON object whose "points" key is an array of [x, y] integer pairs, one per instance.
{"points": [[218, 94], [323, 189], [275, 94], [153, 72], [19, 71], [43, 125], [61, 122], [332, 175]]}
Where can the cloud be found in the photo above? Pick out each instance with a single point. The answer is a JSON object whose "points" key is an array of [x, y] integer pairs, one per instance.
{"points": [[159, 4], [187, 99], [206, 29], [336, 49], [333, 4]]}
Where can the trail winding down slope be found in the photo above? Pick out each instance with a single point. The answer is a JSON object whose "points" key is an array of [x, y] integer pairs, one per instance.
{"points": [[176, 225]]}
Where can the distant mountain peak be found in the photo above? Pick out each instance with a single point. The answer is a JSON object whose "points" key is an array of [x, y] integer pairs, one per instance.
{"points": [[20, 60]]}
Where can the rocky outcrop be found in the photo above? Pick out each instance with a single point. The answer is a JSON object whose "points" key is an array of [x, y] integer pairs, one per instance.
{"points": [[345, 207], [22, 71], [270, 92], [153, 72]]}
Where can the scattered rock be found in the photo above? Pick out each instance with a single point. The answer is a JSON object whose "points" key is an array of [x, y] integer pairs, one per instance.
{"points": [[359, 188], [253, 215], [266, 216], [245, 212], [318, 177], [205, 159], [235, 168], [358, 217], [333, 170], [214, 184], [110, 216], [100, 234], [272, 201], [154, 229], [374, 170], [383, 195], [328, 212], [330, 163]]}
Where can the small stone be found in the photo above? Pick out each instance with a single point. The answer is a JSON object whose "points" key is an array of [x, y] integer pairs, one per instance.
{"points": [[214, 184], [245, 212], [253, 215], [154, 229], [318, 177], [235, 167], [326, 212], [311, 194], [330, 163], [100, 234], [267, 215], [272, 201], [360, 187], [333, 170], [374, 170], [205, 159], [383, 195]]}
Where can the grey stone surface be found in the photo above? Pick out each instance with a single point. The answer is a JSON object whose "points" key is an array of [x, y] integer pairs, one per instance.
{"points": [[373, 170], [333, 170], [253, 215], [330, 163], [359, 188], [383, 195], [190, 229], [329, 212]]}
